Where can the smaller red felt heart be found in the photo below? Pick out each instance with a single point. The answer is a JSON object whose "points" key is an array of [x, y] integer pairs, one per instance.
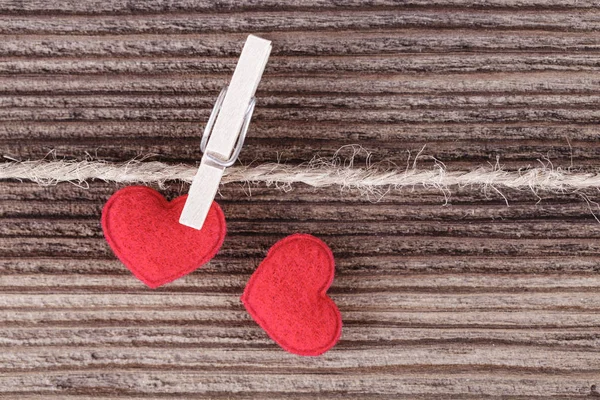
{"points": [[287, 297], [143, 230]]}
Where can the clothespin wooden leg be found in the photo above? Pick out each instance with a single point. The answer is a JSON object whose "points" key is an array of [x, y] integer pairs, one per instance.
{"points": [[226, 129]]}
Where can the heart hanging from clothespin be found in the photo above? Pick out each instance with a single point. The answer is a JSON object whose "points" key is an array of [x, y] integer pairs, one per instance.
{"points": [[142, 229], [226, 130], [160, 241]]}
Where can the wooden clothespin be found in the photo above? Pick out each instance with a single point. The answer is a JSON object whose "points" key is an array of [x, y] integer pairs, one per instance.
{"points": [[225, 131]]}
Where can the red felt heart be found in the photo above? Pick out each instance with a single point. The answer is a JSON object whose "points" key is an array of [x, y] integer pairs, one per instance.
{"points": [[286, 296], [143, 230]]}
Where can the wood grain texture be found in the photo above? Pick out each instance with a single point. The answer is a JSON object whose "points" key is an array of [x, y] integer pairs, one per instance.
{"points": [[443, 295]]}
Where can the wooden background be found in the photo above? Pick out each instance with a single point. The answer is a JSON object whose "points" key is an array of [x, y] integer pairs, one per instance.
{"points": [[469, 299]]}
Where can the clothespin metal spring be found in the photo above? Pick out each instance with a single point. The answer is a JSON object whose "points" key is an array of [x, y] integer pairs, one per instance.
{"points": [[215, 161]]}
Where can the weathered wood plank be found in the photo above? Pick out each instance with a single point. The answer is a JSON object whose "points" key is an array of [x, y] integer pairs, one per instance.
{"points": [[415, 383], [441, 63], [196, 317], [214, 282], [310, 43], [199, 84], [566, 115], [354, 245], [199, 337], [515, 229], [353, 102], [323, 211], [271, 132], [357, 265], [162, 6], [373, 302], [588, 20], [342, 361]]}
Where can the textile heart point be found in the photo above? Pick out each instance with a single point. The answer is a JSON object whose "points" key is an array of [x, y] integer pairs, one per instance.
{"points": [[143, 230], [286, 296]]}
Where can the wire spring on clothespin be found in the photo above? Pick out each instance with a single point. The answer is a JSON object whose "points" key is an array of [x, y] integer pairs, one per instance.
{"points": [[242, 135]]}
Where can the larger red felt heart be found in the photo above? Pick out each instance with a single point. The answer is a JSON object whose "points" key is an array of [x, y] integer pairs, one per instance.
{"points": [[286, 296], [143, 230]]}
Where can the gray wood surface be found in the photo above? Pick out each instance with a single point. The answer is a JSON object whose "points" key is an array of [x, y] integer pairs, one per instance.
{"points": [[442, 297]]}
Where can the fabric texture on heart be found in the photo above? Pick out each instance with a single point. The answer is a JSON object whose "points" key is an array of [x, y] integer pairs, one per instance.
{"points": [[143, 230], [286, 296]]}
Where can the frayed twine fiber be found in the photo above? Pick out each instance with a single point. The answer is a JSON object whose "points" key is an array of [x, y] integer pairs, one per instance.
{"points": [[317, 173]]}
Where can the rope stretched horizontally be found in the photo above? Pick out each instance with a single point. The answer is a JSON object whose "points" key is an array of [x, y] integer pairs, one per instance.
{"points": [[318, 173]]}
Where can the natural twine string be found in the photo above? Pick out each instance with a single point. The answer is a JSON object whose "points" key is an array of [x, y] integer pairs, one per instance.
{"points": [[317, 173]]}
